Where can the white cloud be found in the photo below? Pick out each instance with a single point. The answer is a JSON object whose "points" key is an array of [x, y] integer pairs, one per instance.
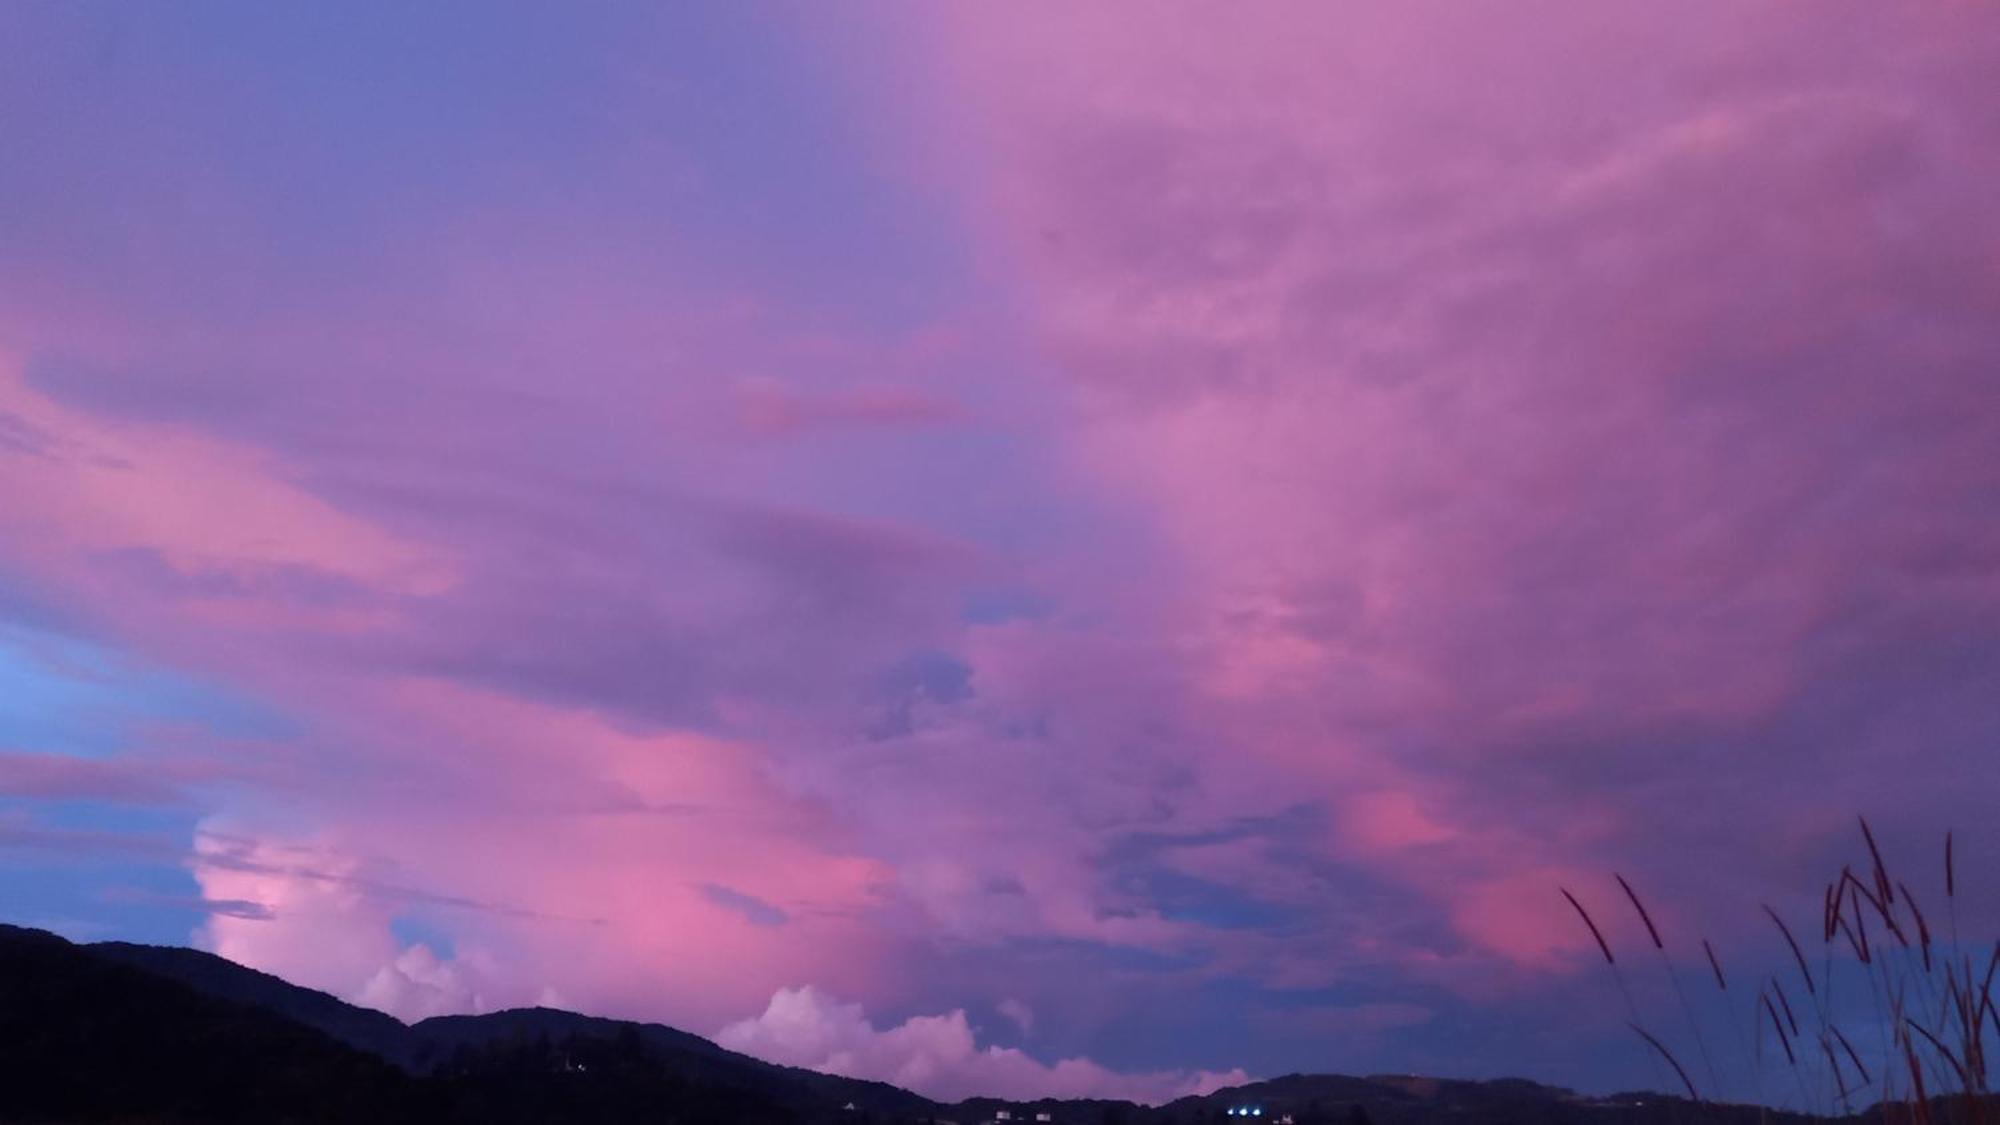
{"points": [[938, 1056], [419, 984]]}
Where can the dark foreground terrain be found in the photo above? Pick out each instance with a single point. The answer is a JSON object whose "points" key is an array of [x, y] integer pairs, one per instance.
{"points": [[131, 1033]]}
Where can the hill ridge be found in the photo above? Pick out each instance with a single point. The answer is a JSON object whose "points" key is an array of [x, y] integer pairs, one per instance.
{"points": [[202, 1038]]}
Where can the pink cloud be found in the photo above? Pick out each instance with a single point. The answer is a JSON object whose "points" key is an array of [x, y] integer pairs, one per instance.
{"points": [[1359, 467], [771, 409], [1475, 420], [63, 777], [576, 860]]}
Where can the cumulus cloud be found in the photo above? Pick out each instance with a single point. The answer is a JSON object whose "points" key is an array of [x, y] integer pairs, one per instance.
{"points": [[939, 1055], [419, 984]]}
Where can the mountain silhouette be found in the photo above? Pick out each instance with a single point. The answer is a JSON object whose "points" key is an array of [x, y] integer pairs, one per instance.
{"points": [[116, 1032], [368, 1030], [87, 1038]]}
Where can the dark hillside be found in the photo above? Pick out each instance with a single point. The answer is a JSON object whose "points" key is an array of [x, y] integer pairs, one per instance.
{"points": [[362, 1028], [127, 1033], [88, 1039]]}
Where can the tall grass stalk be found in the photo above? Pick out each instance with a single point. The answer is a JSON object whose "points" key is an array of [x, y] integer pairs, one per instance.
{"points": [[1930, 999], [1673, 975]]}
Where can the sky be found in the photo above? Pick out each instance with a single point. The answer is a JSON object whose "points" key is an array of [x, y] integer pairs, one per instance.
{"points": [[1085, 549]]}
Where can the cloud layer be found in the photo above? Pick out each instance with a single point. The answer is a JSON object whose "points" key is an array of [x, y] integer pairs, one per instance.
{"points": [[1160, 534]]}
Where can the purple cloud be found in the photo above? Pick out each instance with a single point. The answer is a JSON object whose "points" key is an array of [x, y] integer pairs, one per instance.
{"points": [[1168, 531]]}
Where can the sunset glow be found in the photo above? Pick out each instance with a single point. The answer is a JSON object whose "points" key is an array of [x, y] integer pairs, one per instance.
{"points": [[1080, 549]]}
